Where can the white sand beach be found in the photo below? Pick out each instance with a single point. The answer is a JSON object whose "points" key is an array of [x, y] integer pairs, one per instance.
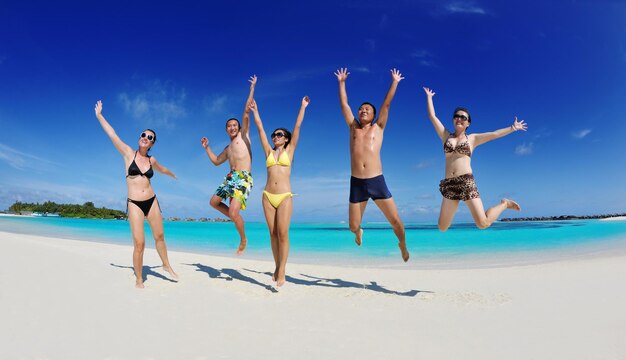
{"points": [[615, 218], [67, 299]]}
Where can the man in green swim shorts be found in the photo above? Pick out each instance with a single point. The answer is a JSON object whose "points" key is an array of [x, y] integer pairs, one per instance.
{"points": [[238, 182]]}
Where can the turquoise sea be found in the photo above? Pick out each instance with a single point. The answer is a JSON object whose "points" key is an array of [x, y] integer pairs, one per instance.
{"points": [[505, 243]]}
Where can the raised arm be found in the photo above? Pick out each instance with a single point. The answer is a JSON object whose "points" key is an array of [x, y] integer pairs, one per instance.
{"points": [[439, 128], [267, 148], [396, 77], [160, 168], [245, 119], [215, 159], [124, 149], [296, 129], [342, 76], [482, 138]]}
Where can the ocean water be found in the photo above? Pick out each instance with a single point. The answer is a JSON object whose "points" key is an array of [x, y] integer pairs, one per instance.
{"points": [[505, 243]]}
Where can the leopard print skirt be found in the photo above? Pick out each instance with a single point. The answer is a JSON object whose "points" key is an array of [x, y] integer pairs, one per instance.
{"points": [[459, 188]]}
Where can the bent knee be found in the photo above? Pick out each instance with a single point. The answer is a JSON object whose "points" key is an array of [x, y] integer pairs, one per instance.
{"points": [[215, 201], [482, 224], [443, 227], [354, 227]]}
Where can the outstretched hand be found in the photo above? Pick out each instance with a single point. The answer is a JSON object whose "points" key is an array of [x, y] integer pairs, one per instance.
{"points": [[395, 74], [205, 142], [429, 92], [98, 108], [305, 101], [252, 80], [519, 125], [342, 74], [252, 105]]}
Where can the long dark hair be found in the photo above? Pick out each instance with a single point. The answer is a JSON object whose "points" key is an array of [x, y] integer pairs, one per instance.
{"points": [[287, 136]]}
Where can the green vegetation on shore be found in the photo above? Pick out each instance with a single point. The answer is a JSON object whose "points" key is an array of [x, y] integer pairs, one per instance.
{"points": [[86, 210], [564, 217]]}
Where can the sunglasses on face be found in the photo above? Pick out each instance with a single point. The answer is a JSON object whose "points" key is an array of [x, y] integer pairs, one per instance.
{"points": [[279, 135], [460, 116], [150, 137]]}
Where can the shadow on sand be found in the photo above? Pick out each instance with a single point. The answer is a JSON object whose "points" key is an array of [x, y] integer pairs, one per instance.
{"points": [[145, 271], [229, 275]]}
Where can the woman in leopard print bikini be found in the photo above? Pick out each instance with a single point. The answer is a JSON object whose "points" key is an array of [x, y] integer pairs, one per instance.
{"points": [[459, 183]]}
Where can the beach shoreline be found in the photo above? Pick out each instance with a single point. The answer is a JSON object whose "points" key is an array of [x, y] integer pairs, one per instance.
{"points": [[229, 308], [615, 218], [390, 259]]}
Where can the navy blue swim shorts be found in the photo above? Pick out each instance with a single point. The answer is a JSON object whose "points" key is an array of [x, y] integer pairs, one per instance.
{"points": [[363, 189]]}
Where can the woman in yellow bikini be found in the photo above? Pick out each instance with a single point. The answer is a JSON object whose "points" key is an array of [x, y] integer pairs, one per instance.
{"points": [[277, 204]]}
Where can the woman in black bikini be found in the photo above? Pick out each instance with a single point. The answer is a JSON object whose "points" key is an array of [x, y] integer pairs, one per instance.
{"points": [[142, 203], [459, 183]]}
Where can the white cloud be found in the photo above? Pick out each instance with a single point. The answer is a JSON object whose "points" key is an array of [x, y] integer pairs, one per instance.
{"points": [[464, 7], [156, 104], [425, 197], [362, 69], [581, 133], [422, 210], [42, 191], [524, 149], [20, 160], [215, 104], [421, 54], [335, 190], [424, 164], [425, 58]]}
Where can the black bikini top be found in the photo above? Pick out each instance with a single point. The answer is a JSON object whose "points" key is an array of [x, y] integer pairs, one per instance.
{"points": [[133, 169], [460, 148]]}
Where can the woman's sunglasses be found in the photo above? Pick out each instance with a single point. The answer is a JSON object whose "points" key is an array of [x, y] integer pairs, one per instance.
{"points": [[277, 135], [460, 116], [150, 137]]}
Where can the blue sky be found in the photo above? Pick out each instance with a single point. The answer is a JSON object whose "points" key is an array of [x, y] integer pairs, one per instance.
{"points": [[181, 68]]}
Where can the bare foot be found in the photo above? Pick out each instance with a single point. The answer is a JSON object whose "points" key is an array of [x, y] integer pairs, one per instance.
{"points": [[280, 278], [171, 272], [242, 246], [275, 275], [139, 284], [405, 252], [510, 204], [359, 238]]}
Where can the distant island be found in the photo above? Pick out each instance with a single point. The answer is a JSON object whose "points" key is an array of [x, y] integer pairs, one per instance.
{"points": [[565, 217], [86, 210], [49, 208]]}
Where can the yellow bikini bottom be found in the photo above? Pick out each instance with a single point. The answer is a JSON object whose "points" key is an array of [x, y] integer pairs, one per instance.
{"points": [[276, 199]]}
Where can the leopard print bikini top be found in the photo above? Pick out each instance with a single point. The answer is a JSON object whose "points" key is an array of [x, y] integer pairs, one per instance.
{"points": [[460, 148]]}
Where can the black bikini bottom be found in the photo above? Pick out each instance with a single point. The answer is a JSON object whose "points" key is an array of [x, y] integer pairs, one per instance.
{"points": [[144, 205]]}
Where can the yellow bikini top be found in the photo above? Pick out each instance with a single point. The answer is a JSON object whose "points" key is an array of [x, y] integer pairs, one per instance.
{"points": [[283, 159]]}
